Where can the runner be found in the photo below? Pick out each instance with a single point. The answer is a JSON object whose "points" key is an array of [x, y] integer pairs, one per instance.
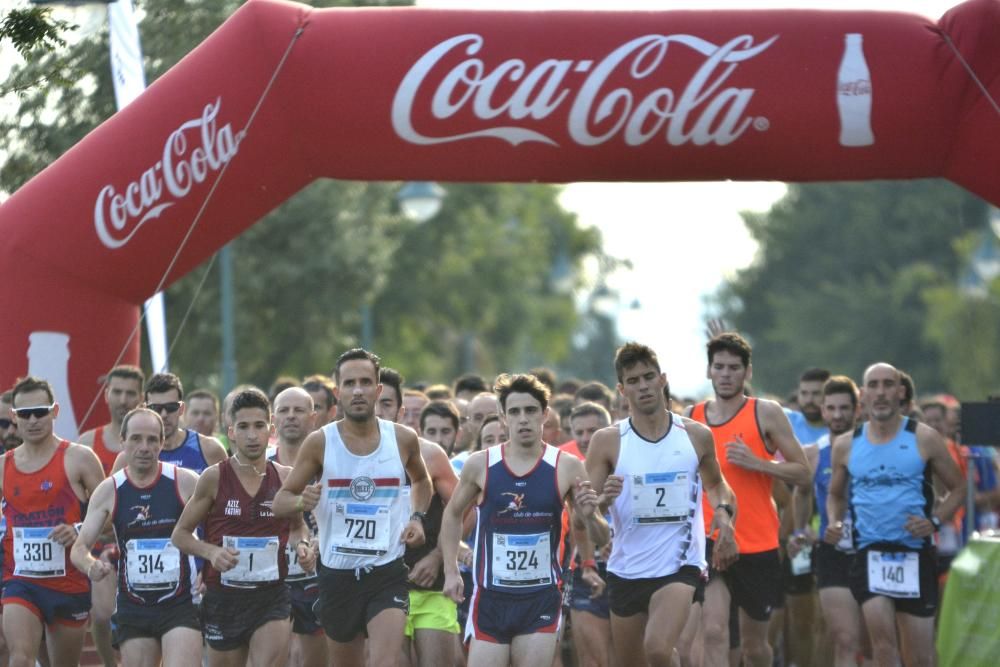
{"points": [[201, 411], [293, 421], [122, 393], [520, 487], [156, 616], [322, 390], [246, 607], [432, 622], [748, 433], [651, 468], [45, 483], [439, 422], [362, 509], [9, 439], [184, 447], [888, 463], [832, 562]]}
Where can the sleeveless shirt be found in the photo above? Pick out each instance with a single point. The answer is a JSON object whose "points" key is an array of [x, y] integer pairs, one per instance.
{"points": [[188, 455], [106, 456], [757, 526], [657, 520]]}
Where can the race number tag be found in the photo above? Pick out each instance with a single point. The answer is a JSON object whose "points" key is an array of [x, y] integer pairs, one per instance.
{"points": [[35, 555], [295, 571], [360, 529], [152, 565], [802, 563], [896, 575], [258, 561], [846, 542], [521, 560], [661, 497]]}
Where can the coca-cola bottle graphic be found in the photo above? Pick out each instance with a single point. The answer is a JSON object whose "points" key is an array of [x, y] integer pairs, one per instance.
{"points": [[48, 359], [854, 95]]}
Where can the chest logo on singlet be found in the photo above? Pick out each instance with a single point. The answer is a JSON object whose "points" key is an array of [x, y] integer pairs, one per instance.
{"points": [[233, 508], [516, 503], [143, 513], [362, 488], [46, 486]]}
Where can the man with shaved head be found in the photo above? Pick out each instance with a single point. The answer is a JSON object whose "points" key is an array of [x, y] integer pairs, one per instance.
{"points": [[885, 468]]}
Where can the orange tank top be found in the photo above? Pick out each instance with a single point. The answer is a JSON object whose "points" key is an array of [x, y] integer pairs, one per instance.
{"points": [[106, 456], [757, 517], [40, 500]]}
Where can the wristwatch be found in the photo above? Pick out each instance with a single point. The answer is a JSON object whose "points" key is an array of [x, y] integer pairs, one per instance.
{"points": [[937, 523], [727, 507], [419, 515]]}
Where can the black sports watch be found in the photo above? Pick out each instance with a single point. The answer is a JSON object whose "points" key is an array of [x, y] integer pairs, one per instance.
{"points": [[937, 523], [728, 508], [419, 515]]}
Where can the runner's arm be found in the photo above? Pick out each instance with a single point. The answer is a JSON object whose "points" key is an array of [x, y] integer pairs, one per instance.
{"points": [[802, 499], [602, 455], [298, 491], [945, 468], [195, 511], [212, 450], [836, 495], [778, 430], [98, 513], [468, 489]]}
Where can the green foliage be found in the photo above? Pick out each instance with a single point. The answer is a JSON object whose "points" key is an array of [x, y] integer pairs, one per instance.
{"points": [[34, 34], [841, 277]]}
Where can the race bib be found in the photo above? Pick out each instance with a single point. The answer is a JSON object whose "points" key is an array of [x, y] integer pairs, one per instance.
{"points": [[661, 497], [35, 555], [802, 563], [521, 560], [258, 561], [846, 542], [896, 575], [152, 565], [360, 529], [295, 571]]}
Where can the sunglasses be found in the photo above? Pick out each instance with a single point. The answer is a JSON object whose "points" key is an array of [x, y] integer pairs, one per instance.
{"points": [[36, 411], [6, 424], [170, 408]]}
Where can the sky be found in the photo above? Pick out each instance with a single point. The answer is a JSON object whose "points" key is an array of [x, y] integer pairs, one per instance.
{"points": [[672, 279]]}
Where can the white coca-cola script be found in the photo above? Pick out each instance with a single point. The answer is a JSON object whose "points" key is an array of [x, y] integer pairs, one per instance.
{"points": [[705, 112], [194, 150]]}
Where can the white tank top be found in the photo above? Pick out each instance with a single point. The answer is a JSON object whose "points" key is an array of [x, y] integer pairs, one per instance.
{"points": [[657, 520], [365, 502]]}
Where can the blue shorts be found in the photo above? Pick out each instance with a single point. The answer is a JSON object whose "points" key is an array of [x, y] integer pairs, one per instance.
{"points": [[499, 617], [51, 607], [304, 596], [579, 594]]}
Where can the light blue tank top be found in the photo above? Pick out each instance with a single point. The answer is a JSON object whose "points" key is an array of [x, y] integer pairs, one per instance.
{"points": [[889, 482]]}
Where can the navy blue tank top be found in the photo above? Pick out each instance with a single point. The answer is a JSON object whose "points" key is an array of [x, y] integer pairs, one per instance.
{"points": [[150, 569], [188, 455], [518, 525]]}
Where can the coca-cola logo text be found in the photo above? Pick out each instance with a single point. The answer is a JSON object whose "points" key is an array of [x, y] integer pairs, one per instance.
{"points": [[704, 112], [194, 150], [859, 87]]}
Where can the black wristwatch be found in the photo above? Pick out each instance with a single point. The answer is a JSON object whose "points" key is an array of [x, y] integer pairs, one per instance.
{"points": [[727, 507], [419, 515], [937, 523]]}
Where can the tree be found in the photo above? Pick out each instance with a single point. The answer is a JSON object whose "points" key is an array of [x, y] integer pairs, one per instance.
{"points": [[840, 278], [34, 33]]}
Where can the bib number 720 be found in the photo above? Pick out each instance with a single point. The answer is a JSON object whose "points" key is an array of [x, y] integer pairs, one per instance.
{"points": [[360, 528], [521, 560]]}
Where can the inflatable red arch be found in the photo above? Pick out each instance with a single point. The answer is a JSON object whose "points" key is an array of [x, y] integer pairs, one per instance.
{"points": [[283, 94]]}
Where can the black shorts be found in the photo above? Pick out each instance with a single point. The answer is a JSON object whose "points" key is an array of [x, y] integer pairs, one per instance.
{"points": [[136, 621], [629, 597], [754, 582], [230, 617], [832, 566], [304, 595], [797, 584], [350, 599], [923, 606], [498, 617]]}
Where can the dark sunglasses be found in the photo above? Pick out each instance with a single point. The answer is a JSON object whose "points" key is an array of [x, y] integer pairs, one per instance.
{"points": [[6, 424], [36, 411], [170, 408]]}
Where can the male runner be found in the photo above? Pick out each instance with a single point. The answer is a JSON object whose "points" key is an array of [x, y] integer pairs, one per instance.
{"points": [[519, 488], [832, 561], [322, 390], [294, 417], [122, 393], [748, 432], [156, 617], [439, 423], [889, 462], [201, 412], [45, 485], [246, 607], [9, 439], [365, 518], [651, 468], [432, 621], [184, 447]]}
